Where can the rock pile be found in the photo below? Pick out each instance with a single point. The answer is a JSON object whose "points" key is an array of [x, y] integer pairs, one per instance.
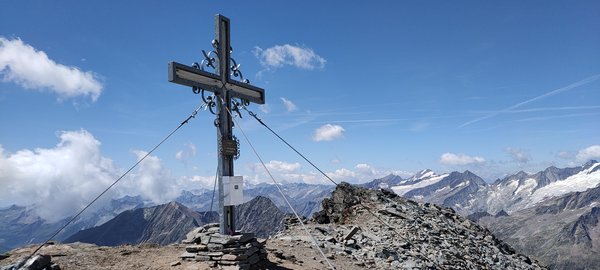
{"points": [[37, 262], [230, 252], [291, 221], [378, 229]]}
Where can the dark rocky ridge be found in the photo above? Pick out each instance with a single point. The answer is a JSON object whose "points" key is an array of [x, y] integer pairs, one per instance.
{"points": [[381, 229], [259, 216], [169, 223], [163, 224]]}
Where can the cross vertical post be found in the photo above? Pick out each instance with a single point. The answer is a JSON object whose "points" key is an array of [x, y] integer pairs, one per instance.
{"points": [[225, 89], [225, 125]]}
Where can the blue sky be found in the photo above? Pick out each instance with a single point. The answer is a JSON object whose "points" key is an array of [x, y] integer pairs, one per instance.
{"points": [[362, 89]]}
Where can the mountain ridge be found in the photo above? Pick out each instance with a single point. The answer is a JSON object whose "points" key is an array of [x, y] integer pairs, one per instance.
{"points": [[169, 223]]}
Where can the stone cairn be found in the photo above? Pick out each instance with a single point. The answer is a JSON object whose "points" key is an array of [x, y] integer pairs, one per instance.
{"points": [[241, 251]]}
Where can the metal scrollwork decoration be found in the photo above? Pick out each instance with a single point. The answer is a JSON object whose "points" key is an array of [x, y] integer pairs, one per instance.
{"points": [[236, 72], [211, 60], [235, 106]]}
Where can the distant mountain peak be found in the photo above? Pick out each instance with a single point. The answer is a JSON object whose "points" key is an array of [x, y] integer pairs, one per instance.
{"points": [[389, 176], [426, 173], [522, 174], [467, 172], [384, 182], [591, 164]]}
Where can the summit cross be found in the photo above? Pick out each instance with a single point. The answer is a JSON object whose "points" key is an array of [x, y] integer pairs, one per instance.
{"points": [[225, 88]]}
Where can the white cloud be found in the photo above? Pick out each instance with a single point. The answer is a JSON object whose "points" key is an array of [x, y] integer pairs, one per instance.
{"points": [[328, 132], [289, 105], [189, 151], [518, 155], [592, 152], [179, 155], [197, 181], [362, 173], [22, 64], [281, 166], [151, 180], [460, 159], [291, 172], [59, 181], [281, 170], [365, 169], [280, 55]]}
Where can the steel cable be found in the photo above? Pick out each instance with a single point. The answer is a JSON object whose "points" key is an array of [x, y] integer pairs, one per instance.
{"points": [[192, 115]]}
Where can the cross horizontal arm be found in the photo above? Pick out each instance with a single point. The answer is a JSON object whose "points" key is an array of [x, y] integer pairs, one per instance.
{"points": [[246, 91], [189, 76], [186, 75]]}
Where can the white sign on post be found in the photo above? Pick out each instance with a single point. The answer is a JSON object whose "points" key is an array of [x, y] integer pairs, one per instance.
{"points": [[233, 190]]}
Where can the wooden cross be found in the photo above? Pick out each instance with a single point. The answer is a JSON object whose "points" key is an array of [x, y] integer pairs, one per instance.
{"points": [[225, 88]]}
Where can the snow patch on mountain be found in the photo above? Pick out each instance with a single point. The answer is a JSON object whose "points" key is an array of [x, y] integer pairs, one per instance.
{"points": [[403, 189], [586, 179], [526, 188]]}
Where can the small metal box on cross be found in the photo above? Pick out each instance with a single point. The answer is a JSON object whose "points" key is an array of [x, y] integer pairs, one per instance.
{"points": [[225, 88]]}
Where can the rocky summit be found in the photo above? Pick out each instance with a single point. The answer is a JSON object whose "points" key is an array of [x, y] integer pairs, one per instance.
{"points": [[378, 229], [357, 228]]}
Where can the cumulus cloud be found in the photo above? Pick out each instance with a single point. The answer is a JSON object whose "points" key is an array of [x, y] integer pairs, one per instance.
{"points": [[197, 181], [278, 166], [363, 172], [281, 55], [328, 132], [592, 152], [291, 172], [151, 180], [59, 181], [22, 64], [281, 166], [289, 105], [460, 159], [365, 169], [518, 155]]}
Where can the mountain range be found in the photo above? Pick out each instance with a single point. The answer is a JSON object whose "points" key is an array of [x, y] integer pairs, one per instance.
{"points": [[305, 198], [552, 214], [20, 225], [169, 223], [468, 193], [563, 231], [160, 224]]}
